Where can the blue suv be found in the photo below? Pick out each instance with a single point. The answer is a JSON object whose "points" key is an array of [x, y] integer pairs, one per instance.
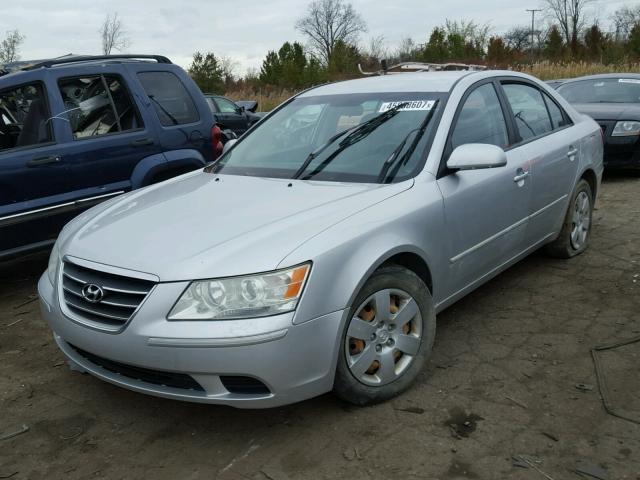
{"points": [[79, 130]]}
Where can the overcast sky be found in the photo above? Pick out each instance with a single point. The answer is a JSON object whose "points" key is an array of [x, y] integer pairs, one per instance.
{"points": [[242, 29]]}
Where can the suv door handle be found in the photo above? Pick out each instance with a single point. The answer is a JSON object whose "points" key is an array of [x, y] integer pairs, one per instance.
{"points": [[520, 177], [36, 162], [142, 142], [572, 152]]}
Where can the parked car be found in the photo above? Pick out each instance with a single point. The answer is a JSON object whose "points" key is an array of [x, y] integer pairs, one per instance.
{"points": [[79, 130], [231, 116], [316, 252], [613, 100], [555, 83]]}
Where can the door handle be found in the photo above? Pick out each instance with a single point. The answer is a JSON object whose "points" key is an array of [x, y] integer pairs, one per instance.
{"points": [[36, 162], [142, 142], [572, 152], [520, 177]]}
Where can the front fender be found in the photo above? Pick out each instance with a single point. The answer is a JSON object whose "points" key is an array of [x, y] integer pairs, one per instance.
{"points": [[148, 168]]}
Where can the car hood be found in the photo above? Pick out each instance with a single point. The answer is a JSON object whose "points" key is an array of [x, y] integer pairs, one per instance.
{"points": [[203, 225], [609, 111]]}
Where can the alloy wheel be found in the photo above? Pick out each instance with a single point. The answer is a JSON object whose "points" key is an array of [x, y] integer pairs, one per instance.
{"points": [[581, 220]]}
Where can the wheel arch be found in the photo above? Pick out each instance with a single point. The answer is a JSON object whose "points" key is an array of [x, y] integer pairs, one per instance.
{"points": [[591, 178]]}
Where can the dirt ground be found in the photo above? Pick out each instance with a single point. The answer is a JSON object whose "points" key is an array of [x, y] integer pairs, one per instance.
{"points": [[501, 383]]}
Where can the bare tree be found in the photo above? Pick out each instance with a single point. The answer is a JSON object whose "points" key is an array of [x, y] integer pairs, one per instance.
{"points": [[407, 50], [328, 22], [377, 48], [624, 20], [10, 47], [114, 37], [571, 17]]}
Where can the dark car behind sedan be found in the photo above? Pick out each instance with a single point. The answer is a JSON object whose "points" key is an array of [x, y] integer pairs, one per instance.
{"points": [[612, 100]]}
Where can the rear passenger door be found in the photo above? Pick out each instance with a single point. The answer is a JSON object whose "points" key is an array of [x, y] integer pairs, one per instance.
{"points": [[486, 209], [107, 134], [545, 134]]}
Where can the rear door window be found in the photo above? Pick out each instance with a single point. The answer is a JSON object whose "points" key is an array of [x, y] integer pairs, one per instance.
{"points": [[169, 97], [558, 117], [530, 112], [481, 120], [24, 117], [98, 105]]}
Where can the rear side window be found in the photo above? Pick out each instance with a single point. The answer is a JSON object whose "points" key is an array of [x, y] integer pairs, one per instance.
{"points": [[558, 118], [169, 97], [481, 120], [24, 117], [98, 105], [529, 110]]}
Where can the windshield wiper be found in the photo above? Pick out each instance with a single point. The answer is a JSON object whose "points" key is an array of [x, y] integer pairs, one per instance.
{"points": [[395, 155], [164, 110], [356, 134]]}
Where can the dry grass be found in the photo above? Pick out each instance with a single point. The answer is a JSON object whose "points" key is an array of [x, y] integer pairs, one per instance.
{"points": [[268, 98], [553, 71]]}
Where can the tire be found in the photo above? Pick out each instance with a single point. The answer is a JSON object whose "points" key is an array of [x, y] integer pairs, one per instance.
{"points": [[404, 340], [577, 219]]}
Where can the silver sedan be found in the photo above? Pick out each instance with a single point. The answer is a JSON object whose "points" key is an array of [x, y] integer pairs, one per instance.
{"points": [[316, 252]]}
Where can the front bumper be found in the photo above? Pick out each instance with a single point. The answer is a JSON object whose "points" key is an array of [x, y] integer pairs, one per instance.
{"points": [[295, 362], [619, 152]]}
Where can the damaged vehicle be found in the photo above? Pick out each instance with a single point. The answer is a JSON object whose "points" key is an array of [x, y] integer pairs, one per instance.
{"points": [[76, 131], [315, 253]]}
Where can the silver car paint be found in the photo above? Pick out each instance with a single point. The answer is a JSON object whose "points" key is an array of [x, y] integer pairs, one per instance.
{"points": [[466, 228]]}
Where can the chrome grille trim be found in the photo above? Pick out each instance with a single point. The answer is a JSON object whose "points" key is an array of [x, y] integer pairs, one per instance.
{"points": [[123, 296]]}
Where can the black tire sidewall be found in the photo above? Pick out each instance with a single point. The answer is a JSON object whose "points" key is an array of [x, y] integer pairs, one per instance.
{"points": [[348, 387]]}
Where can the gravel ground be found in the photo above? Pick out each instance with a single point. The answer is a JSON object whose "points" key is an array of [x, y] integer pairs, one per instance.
{"points": [[501, 383]]}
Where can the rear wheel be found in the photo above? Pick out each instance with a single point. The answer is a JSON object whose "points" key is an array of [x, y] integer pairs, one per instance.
{"points": [[574, 236], [387, 339]]}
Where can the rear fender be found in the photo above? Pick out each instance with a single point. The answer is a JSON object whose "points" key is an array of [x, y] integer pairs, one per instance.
{"points": [[150, 167]]}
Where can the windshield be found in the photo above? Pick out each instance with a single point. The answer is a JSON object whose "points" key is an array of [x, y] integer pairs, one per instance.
{"points": [[372, 138], [608, 90]]}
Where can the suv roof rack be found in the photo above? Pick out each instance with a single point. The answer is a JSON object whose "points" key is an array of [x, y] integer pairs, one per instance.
{"points": [[420, 67], [90, 58]]}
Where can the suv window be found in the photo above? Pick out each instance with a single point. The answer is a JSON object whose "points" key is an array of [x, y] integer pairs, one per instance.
{"points": [[24, 117], [481, 120], [557, 114], [226, 106], [529, 110], [98, 105], [172, 102]]}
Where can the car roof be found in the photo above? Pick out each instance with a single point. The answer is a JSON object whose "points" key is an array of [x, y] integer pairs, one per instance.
{"points": [[602, 76], [399, 82]]}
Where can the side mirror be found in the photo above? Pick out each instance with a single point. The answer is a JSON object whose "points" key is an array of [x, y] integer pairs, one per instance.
{"points": [[240, 109], [473, 156], [228, 145]]}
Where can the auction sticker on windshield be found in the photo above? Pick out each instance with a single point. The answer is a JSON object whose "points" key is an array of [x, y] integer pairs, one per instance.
{"points": [[411, 105]]}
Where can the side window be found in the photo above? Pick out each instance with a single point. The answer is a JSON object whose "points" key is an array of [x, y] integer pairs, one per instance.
{"points": [[481, 120], [212, 106], [24, 117], [529, 110], [226, 106], [170, 98], [98, 105], [557, 115]]}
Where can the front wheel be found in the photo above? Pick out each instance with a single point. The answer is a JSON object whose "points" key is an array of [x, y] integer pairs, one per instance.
{"points": [[574, 236], [387, 338]]}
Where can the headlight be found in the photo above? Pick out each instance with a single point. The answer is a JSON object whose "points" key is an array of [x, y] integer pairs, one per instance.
{"points": [[626, 129], [54, 260], [257, 295]]}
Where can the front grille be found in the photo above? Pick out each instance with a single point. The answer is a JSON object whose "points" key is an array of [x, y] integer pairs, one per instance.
{"points": [[156, 377], [121, 296]]}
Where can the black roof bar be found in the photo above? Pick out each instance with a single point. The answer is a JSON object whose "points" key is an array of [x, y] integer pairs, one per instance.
{"points": [[91, 58]]}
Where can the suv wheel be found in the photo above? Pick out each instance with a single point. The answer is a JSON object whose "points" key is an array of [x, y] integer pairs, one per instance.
{"points": [[387, 339], [574, 236]]}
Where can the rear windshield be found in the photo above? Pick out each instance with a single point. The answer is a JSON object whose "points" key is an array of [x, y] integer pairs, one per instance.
{"points": [[609, 90], [169, 97], [371, 138]]}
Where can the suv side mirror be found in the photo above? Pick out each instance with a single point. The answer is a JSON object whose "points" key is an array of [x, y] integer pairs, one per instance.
{"points": [[474, 156]]}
